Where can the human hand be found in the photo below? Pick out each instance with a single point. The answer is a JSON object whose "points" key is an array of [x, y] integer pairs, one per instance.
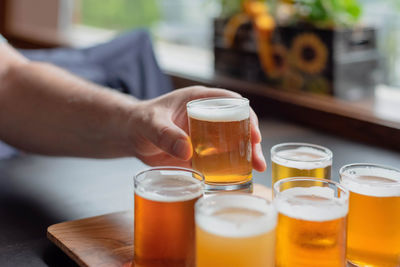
{"points": [[160, 128]]}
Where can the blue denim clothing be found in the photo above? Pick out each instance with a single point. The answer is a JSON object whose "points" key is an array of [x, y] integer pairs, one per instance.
{"points": [[126, 64]]}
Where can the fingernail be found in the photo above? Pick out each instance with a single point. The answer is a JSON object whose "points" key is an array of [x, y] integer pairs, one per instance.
{"points": [[259, 133], [180, 149]]}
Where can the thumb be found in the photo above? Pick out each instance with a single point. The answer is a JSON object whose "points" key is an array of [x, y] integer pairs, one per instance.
{"points": [[163, 133]]}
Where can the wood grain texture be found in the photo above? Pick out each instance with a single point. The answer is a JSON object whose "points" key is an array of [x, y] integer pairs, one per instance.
{"points": [[105, 240]]}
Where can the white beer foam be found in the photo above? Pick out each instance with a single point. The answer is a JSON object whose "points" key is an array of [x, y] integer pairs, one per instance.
{"points": [[169, 188], [311, 204], [238, 217], [302, 158], [372, 182], [219, 110]]}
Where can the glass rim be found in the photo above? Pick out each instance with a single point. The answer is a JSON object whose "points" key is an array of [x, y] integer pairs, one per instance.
{"points": [[201, 201], [311, 202], [242, 101], [327, 151], [171, 168], [346, 167], [276, 186], [209, 209]]}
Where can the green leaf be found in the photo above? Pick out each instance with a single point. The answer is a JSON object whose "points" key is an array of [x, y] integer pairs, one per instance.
{"points": [[327, 12]]}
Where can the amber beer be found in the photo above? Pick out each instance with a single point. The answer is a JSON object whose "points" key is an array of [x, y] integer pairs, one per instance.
{"points": [[300, 160], [374, 214], [311, 227], [164, 229], [220, 134], [235, 230]]}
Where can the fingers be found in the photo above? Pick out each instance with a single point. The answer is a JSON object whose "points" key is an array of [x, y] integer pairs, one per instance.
{"points": [[164, 159], [196, 92], [255, 131], [163, 133], [258, 161]]}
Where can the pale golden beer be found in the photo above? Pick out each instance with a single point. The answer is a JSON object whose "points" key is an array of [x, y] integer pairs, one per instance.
{"points": [[235, 230], [164, 229], [374, 214], [300, 160], [220, 134], [311, 227]]}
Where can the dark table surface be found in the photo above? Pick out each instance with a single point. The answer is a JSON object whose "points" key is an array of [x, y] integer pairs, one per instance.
{"points": [[38, 191]]}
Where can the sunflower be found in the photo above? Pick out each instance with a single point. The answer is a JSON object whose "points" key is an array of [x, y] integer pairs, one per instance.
{"points": [[309, 53], [279, 62], [232, 27], [319, 85]]}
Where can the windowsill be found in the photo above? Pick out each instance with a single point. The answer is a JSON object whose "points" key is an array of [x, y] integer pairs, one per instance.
{"points": [[76, 36], [373, 120], [83, 36], [197, 63]]}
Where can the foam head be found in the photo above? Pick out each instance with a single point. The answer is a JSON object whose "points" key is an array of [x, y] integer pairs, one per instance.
{"points": [[219, 109], [158, 186], [303, 158], [371, 180], [314, 203], [235, 215]]}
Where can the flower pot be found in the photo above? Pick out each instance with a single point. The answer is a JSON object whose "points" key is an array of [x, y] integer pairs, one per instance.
{"points": [[339, 62]]}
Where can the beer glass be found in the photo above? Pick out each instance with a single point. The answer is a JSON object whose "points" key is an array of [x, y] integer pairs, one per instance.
{"points": [[300, 160], [164, 216], [235, 229], [374, 214], [311, 227], [220, 134]]}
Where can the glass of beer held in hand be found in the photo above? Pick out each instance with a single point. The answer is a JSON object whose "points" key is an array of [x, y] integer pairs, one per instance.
{"points": [[164, 229], [235, 230], [300, 160], [312, 215], [373, 237], [220, 135]]}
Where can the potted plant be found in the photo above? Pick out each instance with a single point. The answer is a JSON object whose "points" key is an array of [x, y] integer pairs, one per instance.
{"points": [[314, 46]]}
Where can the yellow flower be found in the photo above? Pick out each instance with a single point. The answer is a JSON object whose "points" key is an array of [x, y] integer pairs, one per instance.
{"points": [[309, 53], [264, 24], [232, 27], [255, 8], [279, 64]]}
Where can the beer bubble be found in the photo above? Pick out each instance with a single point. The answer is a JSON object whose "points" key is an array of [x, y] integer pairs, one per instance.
{"points": [[302, 158], [169, 188], [220, 110], [314, 203], [372, 181], [236, 216]]}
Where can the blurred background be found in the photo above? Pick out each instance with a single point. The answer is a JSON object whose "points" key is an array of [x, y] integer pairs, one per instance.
{"points": [[349, 49]]}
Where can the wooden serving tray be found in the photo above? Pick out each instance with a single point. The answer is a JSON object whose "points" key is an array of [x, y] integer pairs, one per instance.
{"points": [[105, 240]]}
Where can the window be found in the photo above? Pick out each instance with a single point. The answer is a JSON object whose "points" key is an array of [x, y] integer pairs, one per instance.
{"points": [[178, 21], [385, 16]]}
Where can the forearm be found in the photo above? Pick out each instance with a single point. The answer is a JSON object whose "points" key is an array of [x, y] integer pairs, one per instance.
{"points": [[47, 110]]}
